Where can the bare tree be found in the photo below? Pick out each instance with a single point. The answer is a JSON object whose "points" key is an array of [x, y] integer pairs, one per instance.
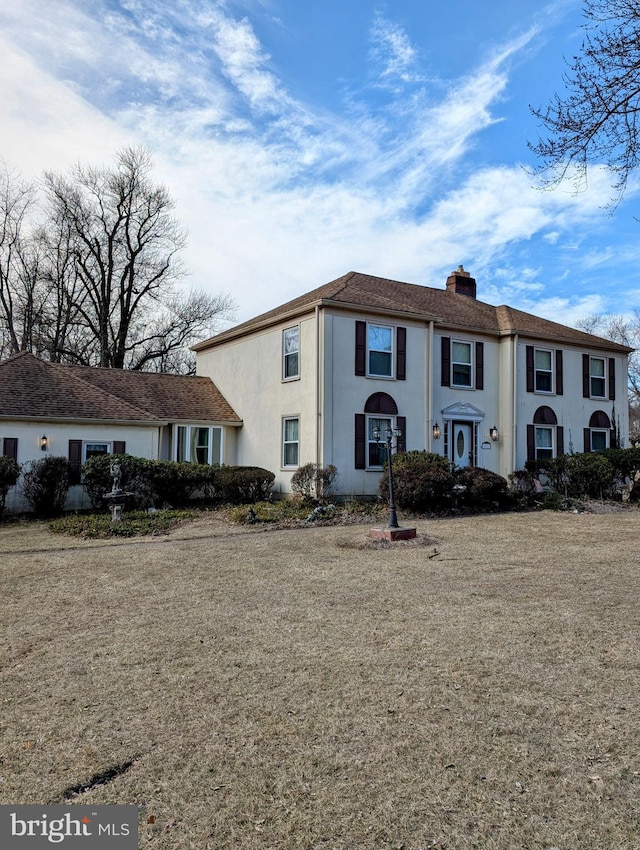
{"points": [[596, 119], [19, 262], [98, 282]]}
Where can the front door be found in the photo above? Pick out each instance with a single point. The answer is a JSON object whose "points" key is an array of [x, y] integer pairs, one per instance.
{"points": [[462, 444]]}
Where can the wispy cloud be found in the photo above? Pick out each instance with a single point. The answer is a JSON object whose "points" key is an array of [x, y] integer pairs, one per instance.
{"points": [[275, 190]]}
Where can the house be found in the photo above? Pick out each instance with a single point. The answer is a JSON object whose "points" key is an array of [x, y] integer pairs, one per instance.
{"points": [[482, 385], [79, 411]]}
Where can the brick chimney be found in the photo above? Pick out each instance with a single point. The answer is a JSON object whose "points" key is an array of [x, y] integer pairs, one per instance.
{"points": [[461, 282]]}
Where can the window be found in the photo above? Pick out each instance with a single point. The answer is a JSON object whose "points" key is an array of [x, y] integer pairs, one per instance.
{"points": [[198, 444], [544, 442], [597, 379], [377, 454], [291, 442], [545, 437], [544, 370], [95, 450], [380, 350], [598, 440], [10, 447], [461, 364], [291, 353]]}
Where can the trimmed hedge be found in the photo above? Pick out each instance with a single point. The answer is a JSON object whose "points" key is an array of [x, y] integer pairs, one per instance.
{"points": [[423, 481], [166, 482], [483, 490]]}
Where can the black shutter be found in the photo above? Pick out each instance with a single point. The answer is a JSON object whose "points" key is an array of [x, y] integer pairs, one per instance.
{"points": [[10, 447], [559, 378], [445, 361], [530, 370], [119, 447], [401, 354], [75, 461], [587, 439], [360, 442], [361, 348], [401, 425], [586, 387], [479, 365], [559, 440], [531, 442], [612, 379]]}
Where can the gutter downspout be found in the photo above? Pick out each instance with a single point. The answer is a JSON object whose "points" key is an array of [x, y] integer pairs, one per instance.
{"points": [[514, 404], [430, 379], [319, 411]]}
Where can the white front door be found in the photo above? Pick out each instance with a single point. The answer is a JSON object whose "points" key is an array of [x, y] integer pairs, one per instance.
{"points": [[462, 444]]}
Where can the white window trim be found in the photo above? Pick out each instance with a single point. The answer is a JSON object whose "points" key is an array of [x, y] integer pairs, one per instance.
{"points": [[471, 363], [392, 353], [380, 417], [286, 354], [86, 443], [549, 371], [552, 429], [602, 377], [284, 442], [212, 428], [593, 431]]}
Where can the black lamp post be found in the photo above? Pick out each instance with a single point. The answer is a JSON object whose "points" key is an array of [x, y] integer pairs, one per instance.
{"points": [[389, 434]]}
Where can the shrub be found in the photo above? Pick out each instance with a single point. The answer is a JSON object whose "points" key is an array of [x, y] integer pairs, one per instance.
{"points": [[237, 485], [9, 474], [134, 478], [590, 475], [483, 489], [312, 481], [423, 482], [45, 485], [133, 524], [552, 472], [626, 463], [176, 483]]}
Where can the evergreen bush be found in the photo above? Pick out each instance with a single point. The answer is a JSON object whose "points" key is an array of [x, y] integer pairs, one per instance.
{"points": [[483, 490], [423, 481], [9, 474], [45, 485]]}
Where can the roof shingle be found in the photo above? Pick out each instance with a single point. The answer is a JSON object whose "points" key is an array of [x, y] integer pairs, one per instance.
{"points": [[31, 387], [446, 308]]}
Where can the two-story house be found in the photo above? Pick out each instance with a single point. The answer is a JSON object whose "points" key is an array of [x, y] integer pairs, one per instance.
{"points": [[482, 385]]}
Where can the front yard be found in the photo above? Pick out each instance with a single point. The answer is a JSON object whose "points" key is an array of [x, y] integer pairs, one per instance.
{"points": [[299, 688]]}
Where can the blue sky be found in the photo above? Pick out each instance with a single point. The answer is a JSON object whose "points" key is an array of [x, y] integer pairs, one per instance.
{"points": [[304, 139]]}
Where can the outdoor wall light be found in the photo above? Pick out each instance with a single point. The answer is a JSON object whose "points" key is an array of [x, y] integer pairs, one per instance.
{"points": [[494, 434], [44, 443], [436, 432]]}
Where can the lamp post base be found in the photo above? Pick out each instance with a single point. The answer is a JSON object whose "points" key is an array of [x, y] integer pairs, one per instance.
{"points": [[392, 533]]}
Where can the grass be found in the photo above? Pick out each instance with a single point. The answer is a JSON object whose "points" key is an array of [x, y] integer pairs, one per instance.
{"points": [[251, 688]]}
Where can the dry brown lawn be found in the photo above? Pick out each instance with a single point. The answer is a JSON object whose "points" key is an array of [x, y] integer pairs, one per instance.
{"points": [[301, 689]]}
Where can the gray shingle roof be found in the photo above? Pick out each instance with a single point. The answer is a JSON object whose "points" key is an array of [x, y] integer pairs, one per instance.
{"points": [[446, 308], [31, 387]]}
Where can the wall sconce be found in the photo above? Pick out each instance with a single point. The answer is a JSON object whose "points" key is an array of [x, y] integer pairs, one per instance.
{"points": [[44, 443], [436, 432], [494, 434]]}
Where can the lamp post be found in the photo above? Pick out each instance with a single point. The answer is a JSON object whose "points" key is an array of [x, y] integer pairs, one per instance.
{"points": [[389, 434]]}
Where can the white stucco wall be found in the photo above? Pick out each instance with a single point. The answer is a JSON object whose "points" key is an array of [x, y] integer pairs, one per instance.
{"points": [[141, 441], [573, 412], [248, 372]]}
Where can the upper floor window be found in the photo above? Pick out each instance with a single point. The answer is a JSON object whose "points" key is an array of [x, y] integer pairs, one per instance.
{"points": [[544, 370], [461, 364], [597, 377], [380, 351], [291, 352]]}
